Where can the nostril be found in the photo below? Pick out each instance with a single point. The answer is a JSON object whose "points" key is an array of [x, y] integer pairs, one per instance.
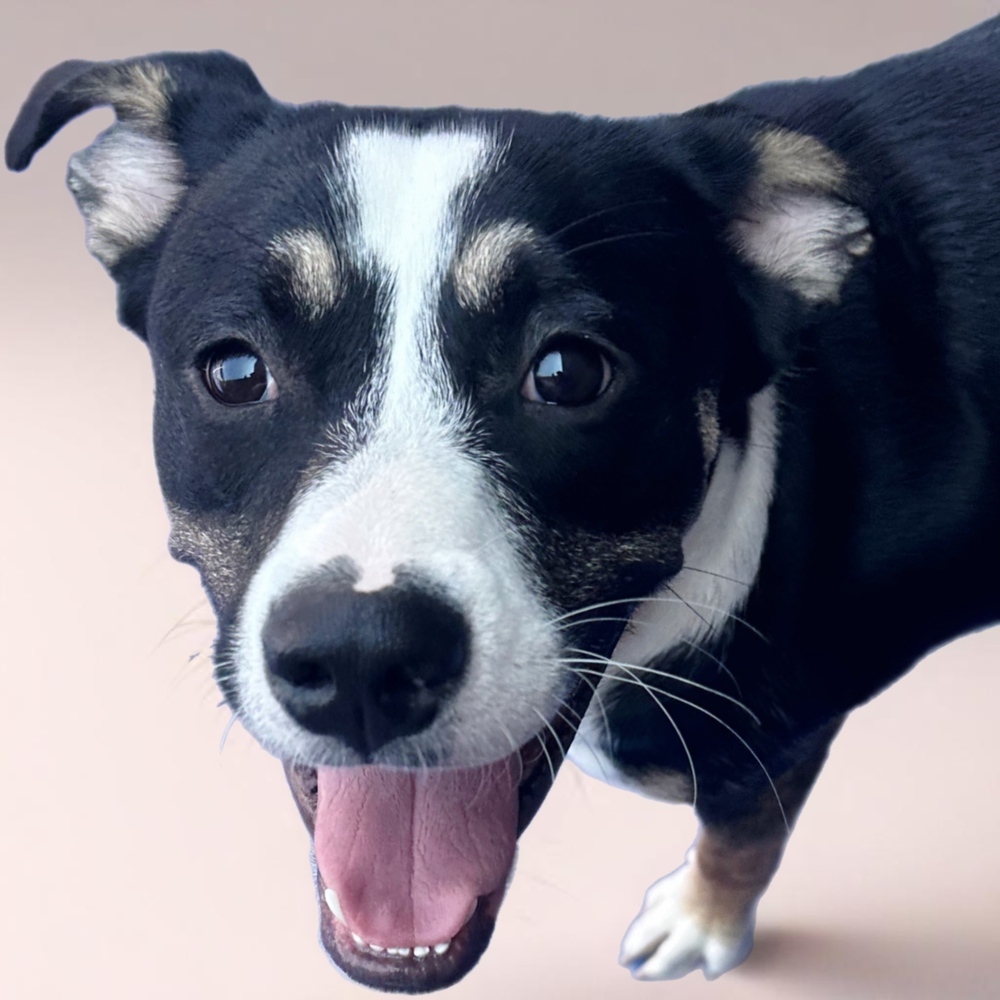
{"points": [[399, 695], [415, 689], [306, 672]]}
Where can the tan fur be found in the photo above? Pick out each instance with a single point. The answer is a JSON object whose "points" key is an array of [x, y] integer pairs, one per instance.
{"points": [[707, 404], [222, 559], [485, 261], [796, 225], [664, 786], [792, 160], [129, 181], [733, 864], [139, 92], [727, 878], [309, 264]]}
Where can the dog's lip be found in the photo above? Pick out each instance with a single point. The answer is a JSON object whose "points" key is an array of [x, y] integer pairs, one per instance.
{"points": [[540, 759]]}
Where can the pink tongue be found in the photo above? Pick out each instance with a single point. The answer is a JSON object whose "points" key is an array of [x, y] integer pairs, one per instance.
{"points": [[409, 852]]}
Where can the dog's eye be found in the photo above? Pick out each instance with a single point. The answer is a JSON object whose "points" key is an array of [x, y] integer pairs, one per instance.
{"points": [[568, 372], [236, 376]]}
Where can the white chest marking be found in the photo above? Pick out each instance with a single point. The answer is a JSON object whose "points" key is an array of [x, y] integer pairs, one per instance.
{"points": [[722, 552]]}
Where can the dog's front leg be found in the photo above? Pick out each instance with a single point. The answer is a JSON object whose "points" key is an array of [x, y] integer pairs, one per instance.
{"points": [[702, 915]]}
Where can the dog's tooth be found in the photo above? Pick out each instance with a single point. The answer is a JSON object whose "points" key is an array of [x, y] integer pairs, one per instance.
{"points": [[440, 949], [405, 952], [358, 939], [334, 904], [393, 951], [421, 951], [377, 948]]}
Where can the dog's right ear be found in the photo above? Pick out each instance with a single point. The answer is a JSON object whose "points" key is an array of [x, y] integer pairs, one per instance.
{"points": [[178, 115]]}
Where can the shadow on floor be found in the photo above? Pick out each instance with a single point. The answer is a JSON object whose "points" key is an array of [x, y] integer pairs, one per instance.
{"points": [[819, 964]]}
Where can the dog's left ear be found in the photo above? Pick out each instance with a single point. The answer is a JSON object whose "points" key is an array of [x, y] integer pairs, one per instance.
{"points": [[788, 216], [795, 221]]}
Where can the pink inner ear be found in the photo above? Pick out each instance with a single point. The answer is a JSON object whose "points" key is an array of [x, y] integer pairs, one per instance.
{"points": [[410, 852]]}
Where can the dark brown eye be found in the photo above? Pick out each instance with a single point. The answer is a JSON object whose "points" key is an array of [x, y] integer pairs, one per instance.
{"points": [[568, 372], [235, 376]]}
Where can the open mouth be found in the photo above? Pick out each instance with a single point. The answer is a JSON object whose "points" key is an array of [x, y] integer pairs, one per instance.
{"points": [[412, 864]]}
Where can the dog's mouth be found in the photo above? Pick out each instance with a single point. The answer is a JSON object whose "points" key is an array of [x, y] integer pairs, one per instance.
{"points": [[412, 864]]}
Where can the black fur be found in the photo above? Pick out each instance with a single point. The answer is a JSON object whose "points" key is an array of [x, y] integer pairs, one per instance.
{"points": [[884, 523]]}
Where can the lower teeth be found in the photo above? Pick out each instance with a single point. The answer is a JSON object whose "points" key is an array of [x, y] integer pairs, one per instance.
{"points": [[420, 951]]}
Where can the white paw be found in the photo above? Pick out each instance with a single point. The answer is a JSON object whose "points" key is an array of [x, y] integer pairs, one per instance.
{"points": [[668, 940]]}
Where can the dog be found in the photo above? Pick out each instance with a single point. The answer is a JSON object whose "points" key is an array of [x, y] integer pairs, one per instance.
{"points": [[499, 436]]}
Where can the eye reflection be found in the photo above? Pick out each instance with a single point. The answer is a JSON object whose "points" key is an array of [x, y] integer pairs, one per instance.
{"points": [[572, 372], [235, 376]]}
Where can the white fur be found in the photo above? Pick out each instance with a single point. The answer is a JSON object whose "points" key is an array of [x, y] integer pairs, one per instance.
{"points": [[809, 241], [723, 547], [404, 191], [667, 940], [414, 493], [796, 224], [127, 184]]}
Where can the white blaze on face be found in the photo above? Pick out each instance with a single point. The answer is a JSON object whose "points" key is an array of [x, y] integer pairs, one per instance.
{"points": [[412, 492], [405, 193]]}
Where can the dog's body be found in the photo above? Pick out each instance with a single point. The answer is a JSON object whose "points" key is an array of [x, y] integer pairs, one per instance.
{"points": [[484, 427]]}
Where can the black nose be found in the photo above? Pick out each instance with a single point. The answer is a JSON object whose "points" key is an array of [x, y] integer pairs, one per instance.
{"points": [[364, 667]]}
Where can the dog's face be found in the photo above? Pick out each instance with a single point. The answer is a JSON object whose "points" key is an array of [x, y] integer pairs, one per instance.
{"points": [[438, 395]]}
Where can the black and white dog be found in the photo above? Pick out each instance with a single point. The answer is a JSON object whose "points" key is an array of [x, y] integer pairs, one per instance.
{"points": [[492, 432]]}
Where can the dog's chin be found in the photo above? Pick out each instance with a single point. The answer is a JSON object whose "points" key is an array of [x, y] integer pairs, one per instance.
{"points": [[414, 967]]}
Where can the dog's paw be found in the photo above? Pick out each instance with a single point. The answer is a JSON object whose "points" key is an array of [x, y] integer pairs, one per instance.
{"points": [[676, 933]]}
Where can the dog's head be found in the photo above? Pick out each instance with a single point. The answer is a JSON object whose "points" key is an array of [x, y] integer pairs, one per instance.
{"points": [[440, 396]]}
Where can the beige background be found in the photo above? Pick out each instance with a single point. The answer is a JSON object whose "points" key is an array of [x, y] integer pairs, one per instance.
{"points": [[138, 862]]}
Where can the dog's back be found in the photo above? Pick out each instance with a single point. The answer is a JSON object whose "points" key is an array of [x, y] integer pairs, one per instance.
{"points": [[920, 131]]}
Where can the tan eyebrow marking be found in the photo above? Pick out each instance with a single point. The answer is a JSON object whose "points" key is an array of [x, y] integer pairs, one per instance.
{"points": [[486, 260], [308, 264]]}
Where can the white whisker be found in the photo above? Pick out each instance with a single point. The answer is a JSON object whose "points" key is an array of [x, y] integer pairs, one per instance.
{"points": [[545, 750], [225, 732], [663, 673], [514, 750], [649, 690], [552, 730], [600, 704], [663, 600], [714, 659]]}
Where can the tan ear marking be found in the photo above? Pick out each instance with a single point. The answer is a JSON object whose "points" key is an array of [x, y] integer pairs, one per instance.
{"points": [[138, 91], [793, 160], [796, 225], [129, 180]]}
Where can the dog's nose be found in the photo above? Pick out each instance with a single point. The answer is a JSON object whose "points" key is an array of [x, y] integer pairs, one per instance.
{"points": [[364, 667]]}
